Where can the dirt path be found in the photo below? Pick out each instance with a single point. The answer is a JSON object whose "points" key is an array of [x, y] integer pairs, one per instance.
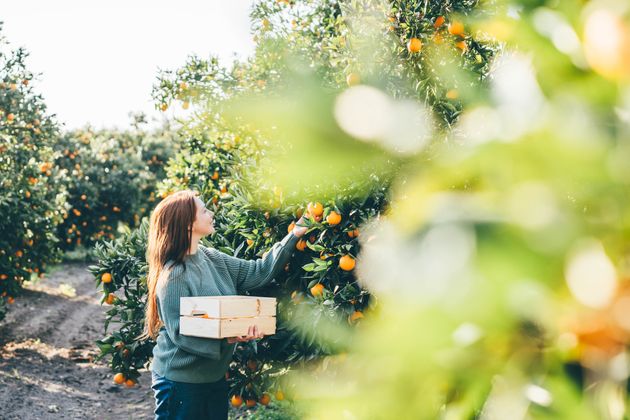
{"points": [[47, 350]]}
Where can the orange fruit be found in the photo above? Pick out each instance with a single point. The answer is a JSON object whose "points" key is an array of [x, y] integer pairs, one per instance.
{"points": [[462, 46], [353, 233], [414, 45], [83, 197], [333, 218], [346, 263], [3, 277], [291, 226], [236, 400], [27, 194], [439, 21], [106, 278], [110, 298], [279, 395], [215, 175], [355, 316], [452, 94], [76, 212], [11, 300], [164, 107], [250, 242], [129, 383], [315, 209], [456, 28], [10, 116], [119, 378], [317, 290], [19, 253], [353, 79], [250, 403], [265, 399], [300, 245]]}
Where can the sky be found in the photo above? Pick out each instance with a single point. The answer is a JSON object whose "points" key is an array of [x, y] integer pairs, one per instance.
{"points": [[99, 60]]}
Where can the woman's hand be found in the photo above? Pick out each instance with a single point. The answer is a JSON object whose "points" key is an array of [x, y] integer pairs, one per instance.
{"points": [[252, 334], [298, 230]]}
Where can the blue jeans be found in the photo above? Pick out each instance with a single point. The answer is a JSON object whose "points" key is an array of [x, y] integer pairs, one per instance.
{"points": [[181, 400]]}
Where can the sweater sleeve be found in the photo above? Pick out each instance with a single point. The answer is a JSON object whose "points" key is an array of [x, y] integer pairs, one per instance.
{"points": [[252, 274], [169, 295]]}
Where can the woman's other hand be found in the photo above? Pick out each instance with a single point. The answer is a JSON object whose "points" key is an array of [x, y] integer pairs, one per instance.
{"points": [[252, 334]]}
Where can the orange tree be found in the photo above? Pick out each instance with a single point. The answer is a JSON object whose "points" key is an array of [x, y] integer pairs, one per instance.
{"points": [[227, 159], [30, 189], [112, 177]]}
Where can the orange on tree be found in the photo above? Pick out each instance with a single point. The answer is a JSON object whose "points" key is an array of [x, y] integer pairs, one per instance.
{"points": [[353, 233], [215, 175], [300, 245], [456, 28], [317, 290], [250, 242], [279, 395], [462, 45], [110, 298], [106, 278], [439, 21], [10, 117], [333, 218], [414, 45], [119, 378], [315, 209], [452, 94], [265, 399], [236, 401], [353, 79], [355, 316], [346, 263], [19, 253], [11, 300], [291, 226], [129, 383], [250, 403]]}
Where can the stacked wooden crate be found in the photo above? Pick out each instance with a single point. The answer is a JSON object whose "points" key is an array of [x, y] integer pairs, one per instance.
{"points": [[226, 316]]}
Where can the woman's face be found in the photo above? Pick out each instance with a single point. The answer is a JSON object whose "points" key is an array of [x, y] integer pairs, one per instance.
{"points": [[204, 219]]}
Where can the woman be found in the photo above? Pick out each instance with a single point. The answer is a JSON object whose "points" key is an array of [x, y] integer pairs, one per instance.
{"points": [[189, 372]]}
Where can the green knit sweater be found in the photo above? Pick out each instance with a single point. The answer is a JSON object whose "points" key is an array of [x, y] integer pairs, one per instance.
{"points": [[208, 272]]}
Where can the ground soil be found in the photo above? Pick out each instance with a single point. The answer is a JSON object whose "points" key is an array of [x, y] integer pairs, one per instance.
{"points": [[47, 351]]}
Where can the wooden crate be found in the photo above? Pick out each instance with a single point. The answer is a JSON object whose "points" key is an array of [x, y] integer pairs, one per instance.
{"points": [[226, 316]]}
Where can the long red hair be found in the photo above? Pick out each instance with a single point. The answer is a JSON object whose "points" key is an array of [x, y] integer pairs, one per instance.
{"points": [[170, 237]]}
